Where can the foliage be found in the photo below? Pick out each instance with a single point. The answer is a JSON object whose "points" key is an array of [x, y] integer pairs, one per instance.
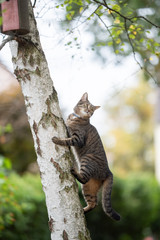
{"points": [[5, 129], [16, 142], [129, 142], [5, 167], [126, 27], [137, 198], [23, 214]]}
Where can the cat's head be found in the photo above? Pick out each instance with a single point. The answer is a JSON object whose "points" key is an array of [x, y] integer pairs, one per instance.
{"points": [[84, 108]]}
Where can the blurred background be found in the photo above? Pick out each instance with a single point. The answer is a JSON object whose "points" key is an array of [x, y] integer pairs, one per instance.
{"points": [[128, 122]]}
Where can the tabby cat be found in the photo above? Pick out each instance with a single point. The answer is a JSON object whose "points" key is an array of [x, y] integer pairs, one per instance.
{"points": [[94, 171]]}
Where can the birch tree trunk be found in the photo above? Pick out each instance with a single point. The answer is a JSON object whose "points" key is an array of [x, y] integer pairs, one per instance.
{"points": [[66, 218]]}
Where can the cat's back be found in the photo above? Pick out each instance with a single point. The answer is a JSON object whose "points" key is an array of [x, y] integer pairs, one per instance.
{"points": [[93, 141]]}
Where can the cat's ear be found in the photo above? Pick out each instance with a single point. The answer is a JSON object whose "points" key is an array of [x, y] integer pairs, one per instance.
{"points": [[84, 97], [96, 107]]}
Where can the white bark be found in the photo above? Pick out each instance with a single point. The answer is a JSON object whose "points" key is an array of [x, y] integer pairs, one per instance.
{"points": [[66, 219]]}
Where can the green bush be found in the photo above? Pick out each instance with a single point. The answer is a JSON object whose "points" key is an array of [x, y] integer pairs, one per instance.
{"points": [[23, 214], [137, 199]]}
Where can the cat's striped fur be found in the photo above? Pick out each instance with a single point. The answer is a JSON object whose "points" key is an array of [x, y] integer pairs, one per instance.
{"points": [[94, 171]]}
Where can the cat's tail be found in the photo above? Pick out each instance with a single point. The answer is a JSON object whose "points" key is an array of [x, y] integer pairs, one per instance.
{"points": [[106, 198]]}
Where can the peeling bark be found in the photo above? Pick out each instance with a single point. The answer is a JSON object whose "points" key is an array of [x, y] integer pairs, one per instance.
{"points": [[66, 218]]}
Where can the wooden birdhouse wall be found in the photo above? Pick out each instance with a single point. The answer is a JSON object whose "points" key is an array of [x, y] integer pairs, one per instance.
{"points": [[15, 17]]}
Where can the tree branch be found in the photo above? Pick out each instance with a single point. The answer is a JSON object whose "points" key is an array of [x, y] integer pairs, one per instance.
{"points": [[34, 4], [147, 20], [130, 41], [10, 38], [113, 10], [107, 30], [130, 19], [134, 54]]}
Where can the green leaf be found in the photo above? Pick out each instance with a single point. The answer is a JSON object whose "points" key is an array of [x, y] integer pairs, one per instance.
{"points": [[156, 44], [101, 7], [132, 36], [110, 43], [119, 32], [69, 43], [66, 2], [72, 13], [7, 163], [8, 128], [141, 40], [68, 8], [100, 44], [118, 40], [81, 9], [129, 13], [69, 17], [0, 21], [116, 7]]}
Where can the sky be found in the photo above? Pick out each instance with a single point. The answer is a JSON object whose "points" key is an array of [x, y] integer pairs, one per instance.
{"points": [[72, 76]]}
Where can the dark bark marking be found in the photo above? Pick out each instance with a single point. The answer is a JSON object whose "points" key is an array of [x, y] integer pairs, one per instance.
{"points": [[56, 165], [57, 148], [28, 104], [22, 74], [49, 101], [81, 236], [35, 128], [49, 114], [31, 61], [51, 224], [65, 235], [62, 175], [37, 71]]}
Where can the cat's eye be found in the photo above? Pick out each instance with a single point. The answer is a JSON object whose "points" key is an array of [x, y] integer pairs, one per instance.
{"points": [[80, 104], [84, 105]]}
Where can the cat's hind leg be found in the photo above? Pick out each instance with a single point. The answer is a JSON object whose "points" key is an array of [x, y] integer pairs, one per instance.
{"points": [[87, 171], [80, 176], [90, 190]]}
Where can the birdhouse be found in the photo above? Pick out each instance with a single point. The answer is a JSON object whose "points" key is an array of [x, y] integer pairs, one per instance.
{"points": [[15, 17]]}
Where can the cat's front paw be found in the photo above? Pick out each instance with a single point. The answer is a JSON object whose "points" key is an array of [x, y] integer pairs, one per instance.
{"points": [[73, 171], [55, 140]]}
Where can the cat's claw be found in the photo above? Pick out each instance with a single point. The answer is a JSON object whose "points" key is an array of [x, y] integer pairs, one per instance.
{"points": [[73, 171], [55, 140]]}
